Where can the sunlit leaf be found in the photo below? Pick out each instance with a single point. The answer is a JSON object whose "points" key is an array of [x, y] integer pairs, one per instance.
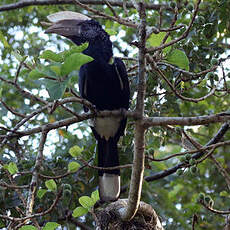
{"points": [[178, 58], [224, 194], [3, 40], [79, 211], [75, 151], [41, 192], [73, 166], [51, 185], [28, 227], [86, 202], [156, 39], [111, 31], [95, 196], [52, 56], [51, 226], [74, 49], [74, 62], [12, 168]]}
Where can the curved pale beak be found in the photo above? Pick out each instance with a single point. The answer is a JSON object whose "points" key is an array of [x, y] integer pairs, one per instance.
{"points": [[66, 23]]}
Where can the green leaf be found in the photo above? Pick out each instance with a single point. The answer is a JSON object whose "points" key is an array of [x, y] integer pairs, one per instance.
{"points": [[86, 202], [51, 226], [17, 55], [95, 196], [3, 40], [56, 89], [74, 62], [178, 58], [79, 211], [52, 56], [2, 224], [56, 69], [28, 227], [111, 31], [41, 192], [75, 151], [74, 49], [51, 185], [156, 39], [43, 71], [1, 92], [35, 74], [12, 168], [224, 193], [73, 166]]}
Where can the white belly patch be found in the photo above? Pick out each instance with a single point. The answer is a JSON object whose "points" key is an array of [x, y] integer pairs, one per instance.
{"points": [[107, 126]]}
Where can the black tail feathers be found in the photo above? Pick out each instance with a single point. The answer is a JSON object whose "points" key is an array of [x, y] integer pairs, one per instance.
{"points": [[108, 156]]}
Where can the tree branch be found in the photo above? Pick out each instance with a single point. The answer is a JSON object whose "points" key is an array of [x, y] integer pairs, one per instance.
{"points": [[189, 121], [35, 175], [139, 156], [183, 36], [25, 3], [224, 128]]}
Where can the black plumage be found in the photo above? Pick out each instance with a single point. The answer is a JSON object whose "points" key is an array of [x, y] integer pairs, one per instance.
{"points": [[107, 87]]}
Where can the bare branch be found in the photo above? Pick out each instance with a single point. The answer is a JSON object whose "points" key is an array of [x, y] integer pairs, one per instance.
{"points": [[194, 221], [12, 186], [174, 89], [189, 121], [35, 175], [139, 156], [183, 36], [224, 128], [17, 219], [222, 170], [214, 210], [25, 3], [97, 12], [12, 110], [107, 168]]}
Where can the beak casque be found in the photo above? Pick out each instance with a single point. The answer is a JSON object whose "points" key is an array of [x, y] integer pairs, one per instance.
{"points": [[66, 23]]}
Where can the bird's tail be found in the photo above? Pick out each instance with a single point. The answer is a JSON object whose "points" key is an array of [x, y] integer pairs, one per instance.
{"points": [[109, 180]]}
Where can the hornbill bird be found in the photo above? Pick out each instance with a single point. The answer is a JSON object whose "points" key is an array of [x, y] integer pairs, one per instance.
{"points": [[105, 85]]}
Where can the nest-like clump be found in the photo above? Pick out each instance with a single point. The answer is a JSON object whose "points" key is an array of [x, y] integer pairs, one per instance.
{"points": [[110, 219]]}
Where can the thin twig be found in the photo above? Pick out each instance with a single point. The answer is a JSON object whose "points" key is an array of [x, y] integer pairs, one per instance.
{"points": [[183, 36], [12, 110], [214, 210], [100, 13]]}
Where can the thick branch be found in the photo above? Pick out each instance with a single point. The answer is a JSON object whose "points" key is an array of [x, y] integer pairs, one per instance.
{"points": [[189, 121], [25, 3], [139, 156], [147, 121], [35, 175]]}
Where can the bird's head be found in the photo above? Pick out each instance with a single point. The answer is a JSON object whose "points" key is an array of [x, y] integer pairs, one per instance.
{"points": [[75, 26]]}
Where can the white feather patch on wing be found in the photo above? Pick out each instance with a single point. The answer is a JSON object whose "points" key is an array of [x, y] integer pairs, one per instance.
{"points": [[66, 15]]}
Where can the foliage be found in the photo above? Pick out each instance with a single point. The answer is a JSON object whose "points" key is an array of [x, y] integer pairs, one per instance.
{"points": [[47, 68]]}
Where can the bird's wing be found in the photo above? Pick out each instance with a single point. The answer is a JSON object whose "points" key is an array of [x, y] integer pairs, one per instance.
{"points": [[123, 78], [83, 85], [124, 82]]}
